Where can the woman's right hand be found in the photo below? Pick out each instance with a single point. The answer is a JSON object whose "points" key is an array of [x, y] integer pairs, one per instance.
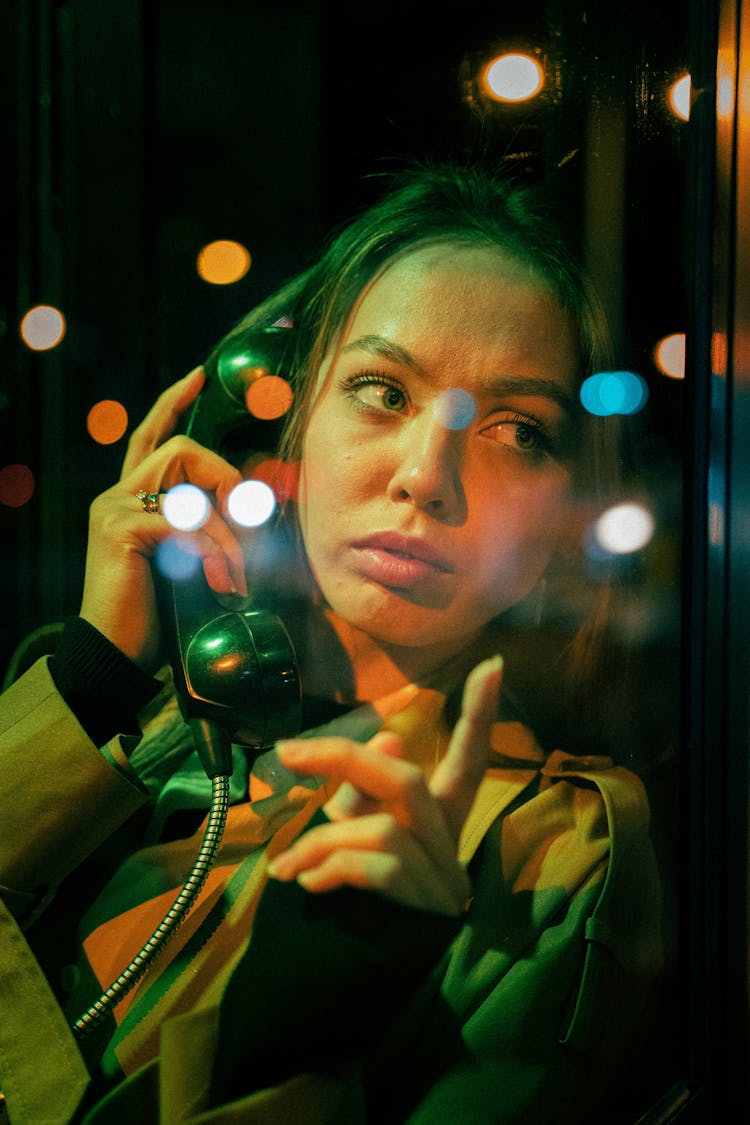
{"points": [[119, 597]]}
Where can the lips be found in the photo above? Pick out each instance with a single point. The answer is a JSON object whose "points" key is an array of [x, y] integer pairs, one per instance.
{"points": [[399, 560]]}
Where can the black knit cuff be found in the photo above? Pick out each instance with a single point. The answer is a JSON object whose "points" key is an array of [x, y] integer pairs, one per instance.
{"points": [[103, 688]]}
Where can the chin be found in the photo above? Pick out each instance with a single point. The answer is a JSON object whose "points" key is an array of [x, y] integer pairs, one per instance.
{"points": [[402, 626]]}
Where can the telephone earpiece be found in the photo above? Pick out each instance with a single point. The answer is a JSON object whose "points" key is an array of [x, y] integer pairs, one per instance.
{"points": [[220, 417], [233, 670]]}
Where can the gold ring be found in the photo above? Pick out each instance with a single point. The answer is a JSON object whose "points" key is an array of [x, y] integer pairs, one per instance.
{"points": [[149, 500]]}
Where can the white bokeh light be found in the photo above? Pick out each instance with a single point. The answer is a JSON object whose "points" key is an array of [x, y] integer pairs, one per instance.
{"points": [[624, 529], [186, 507], [679, 97], [513, 77], [251, 503]]}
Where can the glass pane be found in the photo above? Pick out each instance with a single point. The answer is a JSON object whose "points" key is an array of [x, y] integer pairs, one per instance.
{"points": [[196, 179], [605, 135]]}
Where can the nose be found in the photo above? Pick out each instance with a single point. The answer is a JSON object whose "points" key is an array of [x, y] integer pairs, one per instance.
{"points": [[428, 470]]}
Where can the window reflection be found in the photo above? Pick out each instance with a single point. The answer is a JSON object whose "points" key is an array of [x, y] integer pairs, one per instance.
{"points": [[269, 125]]}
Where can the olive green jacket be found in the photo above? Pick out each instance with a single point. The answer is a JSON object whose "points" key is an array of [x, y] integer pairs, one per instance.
{"points": [[543, 988]]}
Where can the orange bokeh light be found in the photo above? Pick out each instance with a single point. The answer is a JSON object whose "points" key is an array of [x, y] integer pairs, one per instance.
{"points": [[281, 477], [17, 484], [107, 421], [268, 397], [223, 262], [719, 353], [669, 355]]}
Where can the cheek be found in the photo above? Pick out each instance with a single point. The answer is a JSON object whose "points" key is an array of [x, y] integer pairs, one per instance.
{"points": [[520, 535], [330, 489], [316, 463], [335, 466]]}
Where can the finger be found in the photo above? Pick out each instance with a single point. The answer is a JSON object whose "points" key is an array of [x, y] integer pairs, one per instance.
{"points": [[348, 801], [382, 777], [378, 872], [458, 775], [122, 529], [397, 785], [179, 460], [221, 553], [162, 419], [374, 853], [131, 531]]}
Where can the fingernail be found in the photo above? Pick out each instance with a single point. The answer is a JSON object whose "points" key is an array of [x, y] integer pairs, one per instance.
{"points": [[233, 601], [289, 752], [217, 573]]}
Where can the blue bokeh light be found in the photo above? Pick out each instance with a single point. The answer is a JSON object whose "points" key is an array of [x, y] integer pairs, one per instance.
{"points": [[614, 392], [455, 408], [177, 559]]}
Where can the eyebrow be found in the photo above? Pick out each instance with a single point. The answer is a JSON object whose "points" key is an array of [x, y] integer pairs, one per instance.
{"points": [[538, 388], [495, 385], [387, 349]]}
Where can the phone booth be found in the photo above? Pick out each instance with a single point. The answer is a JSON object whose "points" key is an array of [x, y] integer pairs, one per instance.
{"points": [[143, 132]]}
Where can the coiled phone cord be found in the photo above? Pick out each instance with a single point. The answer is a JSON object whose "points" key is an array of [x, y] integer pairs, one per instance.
{"points": [[174, 917]]}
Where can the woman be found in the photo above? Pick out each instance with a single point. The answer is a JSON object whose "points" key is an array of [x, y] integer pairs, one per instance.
{"points": [[420, 909]]}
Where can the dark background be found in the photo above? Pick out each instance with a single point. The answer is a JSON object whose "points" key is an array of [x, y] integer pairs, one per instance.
{"points": [[135, 132], [140, 131]]}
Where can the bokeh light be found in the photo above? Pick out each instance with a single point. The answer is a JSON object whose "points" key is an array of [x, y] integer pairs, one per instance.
{"points": [[42, 328], [513, 78], [223, 262], [280, 476], [269, 397], [719, 352], [624, 529], [17, 484], [455, 408], [251, 503], [177, 559], [185, 507], [107, 421], [669, 355], [614, 392], [678, 97], [725, 65]]}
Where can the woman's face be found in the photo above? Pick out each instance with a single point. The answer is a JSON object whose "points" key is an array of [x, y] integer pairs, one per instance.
{"points": [[437, 459]]}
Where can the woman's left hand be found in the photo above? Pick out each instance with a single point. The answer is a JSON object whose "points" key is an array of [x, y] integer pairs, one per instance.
{"points": [[390, 830]]}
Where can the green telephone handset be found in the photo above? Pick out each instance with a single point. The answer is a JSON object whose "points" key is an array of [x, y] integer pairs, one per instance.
{"points": [[233, 670]]}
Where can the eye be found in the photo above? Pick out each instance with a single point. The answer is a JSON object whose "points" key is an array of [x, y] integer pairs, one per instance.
{"points": [[375, 392], [527, 436], [524, 434]]}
